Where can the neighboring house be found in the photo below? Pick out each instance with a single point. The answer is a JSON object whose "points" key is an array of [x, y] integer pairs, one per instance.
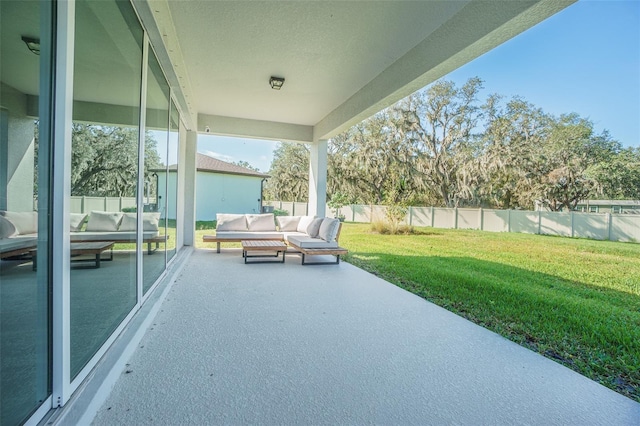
{"points": [[221, 187], [609, 206], [602, 206]]}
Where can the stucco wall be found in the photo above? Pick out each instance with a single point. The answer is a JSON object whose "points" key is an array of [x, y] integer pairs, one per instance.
{"points": [[221, 193]]}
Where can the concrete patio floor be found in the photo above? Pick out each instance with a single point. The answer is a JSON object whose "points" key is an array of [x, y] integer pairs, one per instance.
{"points": [[290, 344]]}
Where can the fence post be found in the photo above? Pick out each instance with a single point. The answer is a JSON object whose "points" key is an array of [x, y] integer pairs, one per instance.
{"points": [[572, 230], [433, 216], [509, 220], [82, 207], [293, 209], [481, 219], [539, 222], [353, 213], [410, 216], [610, 225], [455, 217]]}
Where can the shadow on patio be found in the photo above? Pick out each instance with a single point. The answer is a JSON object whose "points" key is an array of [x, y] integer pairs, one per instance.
{"points": [[291, 344]]}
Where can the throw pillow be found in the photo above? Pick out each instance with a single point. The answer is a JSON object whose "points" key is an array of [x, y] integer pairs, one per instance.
{"points": [[23, 222], [288, 223], [261, 222], [6, 228], [231, 222], [304, 223], [314, 227], [150, 221], [329, 229], [129, 222], [104, 221], [76, 220]]}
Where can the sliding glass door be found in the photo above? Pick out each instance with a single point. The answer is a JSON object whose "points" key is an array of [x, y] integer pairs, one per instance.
{"points": [[25, 207]]}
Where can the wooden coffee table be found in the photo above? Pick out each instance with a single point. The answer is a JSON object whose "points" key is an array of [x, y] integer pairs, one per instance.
{"points": [[263, 246], [96, 249], [79, 249]]}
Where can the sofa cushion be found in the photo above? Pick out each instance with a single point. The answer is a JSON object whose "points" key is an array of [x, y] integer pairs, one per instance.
{"points": [[115, 236], [304, 223], [314, 227], [248, 235], [130, 220], [329, 229], [261, 222], [6, 228], [286, 234], [76, 220], [231, 222], [23, 222], [288, 223], [104, 221], [308, 242], [18, 243]]}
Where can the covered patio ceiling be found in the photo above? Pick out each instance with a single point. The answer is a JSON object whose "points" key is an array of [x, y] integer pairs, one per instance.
{"points": [[342, 60]]}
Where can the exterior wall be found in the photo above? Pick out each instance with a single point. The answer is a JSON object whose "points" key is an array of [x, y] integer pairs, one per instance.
{"points": [[222, 193]]}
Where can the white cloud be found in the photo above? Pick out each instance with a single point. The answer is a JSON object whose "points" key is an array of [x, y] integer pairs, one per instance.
{"points": [[223, 157]]}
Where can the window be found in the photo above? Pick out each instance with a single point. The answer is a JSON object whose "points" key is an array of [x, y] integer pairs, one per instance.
{"points": [[25, 144], [104, 171]]}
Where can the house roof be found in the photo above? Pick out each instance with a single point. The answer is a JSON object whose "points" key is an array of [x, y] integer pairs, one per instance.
{"points": [[204, 163]]}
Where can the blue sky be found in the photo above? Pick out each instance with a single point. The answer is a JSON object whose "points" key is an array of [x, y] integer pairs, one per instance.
{"points": [[585, 59]]}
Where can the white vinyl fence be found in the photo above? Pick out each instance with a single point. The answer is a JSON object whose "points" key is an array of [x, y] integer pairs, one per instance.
{"points": [[106, 204], [598, 226]]}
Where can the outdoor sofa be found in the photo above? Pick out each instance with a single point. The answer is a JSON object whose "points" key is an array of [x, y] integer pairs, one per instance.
{"points": [[19, 230], [308, 235], [18, 233], [117, 227]]}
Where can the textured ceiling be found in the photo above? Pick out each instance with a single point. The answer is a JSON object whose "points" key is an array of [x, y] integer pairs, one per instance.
{"points": [[326, 51], [342, 60]]}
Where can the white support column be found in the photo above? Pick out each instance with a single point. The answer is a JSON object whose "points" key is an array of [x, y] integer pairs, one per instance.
{"points": [[318, 179], [182, 155], [142, 132], [60, 256], [189, 188]]}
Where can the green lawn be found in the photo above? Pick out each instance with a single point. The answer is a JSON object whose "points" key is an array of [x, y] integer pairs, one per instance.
{"points": [[575, 301]]}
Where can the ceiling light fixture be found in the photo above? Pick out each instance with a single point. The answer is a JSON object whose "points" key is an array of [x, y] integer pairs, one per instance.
{"points": [[32, 43], [276, 82]]}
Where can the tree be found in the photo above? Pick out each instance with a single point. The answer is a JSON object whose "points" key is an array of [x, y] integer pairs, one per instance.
{"points": [[570, 153], [104, 160], [438, 124], [370, 164], [509, 164], [289, 173], [246, 165], [618, 176]]}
